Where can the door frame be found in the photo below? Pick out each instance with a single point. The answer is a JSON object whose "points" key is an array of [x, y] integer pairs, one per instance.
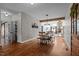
{"points": [[4, 29]]}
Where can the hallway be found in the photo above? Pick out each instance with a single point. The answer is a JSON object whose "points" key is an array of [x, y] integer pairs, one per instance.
{"points": [[33, 48]]}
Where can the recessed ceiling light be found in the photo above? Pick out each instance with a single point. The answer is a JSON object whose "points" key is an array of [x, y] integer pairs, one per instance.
{"points": [[6, 15], [32, 3]]}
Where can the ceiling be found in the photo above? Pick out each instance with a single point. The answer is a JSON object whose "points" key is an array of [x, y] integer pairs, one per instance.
{"points": [[38, 10]]}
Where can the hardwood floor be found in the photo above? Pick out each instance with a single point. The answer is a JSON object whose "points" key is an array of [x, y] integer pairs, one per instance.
{"points": [[33, 48], [75, 45]]}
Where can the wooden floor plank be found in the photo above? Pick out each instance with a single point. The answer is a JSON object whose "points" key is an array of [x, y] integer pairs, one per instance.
{"points": [[33, 48]]}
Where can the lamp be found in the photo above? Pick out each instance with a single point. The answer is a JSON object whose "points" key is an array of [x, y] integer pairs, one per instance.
{"points": [[47, 19]]}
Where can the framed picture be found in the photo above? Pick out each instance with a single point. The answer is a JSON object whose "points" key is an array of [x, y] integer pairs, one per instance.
{"points": [[34, 25]]}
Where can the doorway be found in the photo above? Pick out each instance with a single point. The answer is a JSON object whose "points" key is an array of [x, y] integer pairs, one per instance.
{"points": [[4, 33], [8, 33]]}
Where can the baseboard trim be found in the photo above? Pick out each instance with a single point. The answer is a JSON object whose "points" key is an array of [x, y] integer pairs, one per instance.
{"points": [[28, 40]]}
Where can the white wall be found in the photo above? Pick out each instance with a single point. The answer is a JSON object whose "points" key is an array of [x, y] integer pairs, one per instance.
{"points": [[0, 28], [67, 27], [27, 31]]}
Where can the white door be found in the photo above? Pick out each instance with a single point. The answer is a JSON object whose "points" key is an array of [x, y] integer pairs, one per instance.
{"points": [[4, 34]]}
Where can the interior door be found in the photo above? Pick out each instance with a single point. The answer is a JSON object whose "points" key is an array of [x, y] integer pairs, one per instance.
{"points": [[13, 32], [4, 34]]}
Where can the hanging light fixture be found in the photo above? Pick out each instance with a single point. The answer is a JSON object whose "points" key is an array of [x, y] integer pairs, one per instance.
{"points": [[47, 19]]}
